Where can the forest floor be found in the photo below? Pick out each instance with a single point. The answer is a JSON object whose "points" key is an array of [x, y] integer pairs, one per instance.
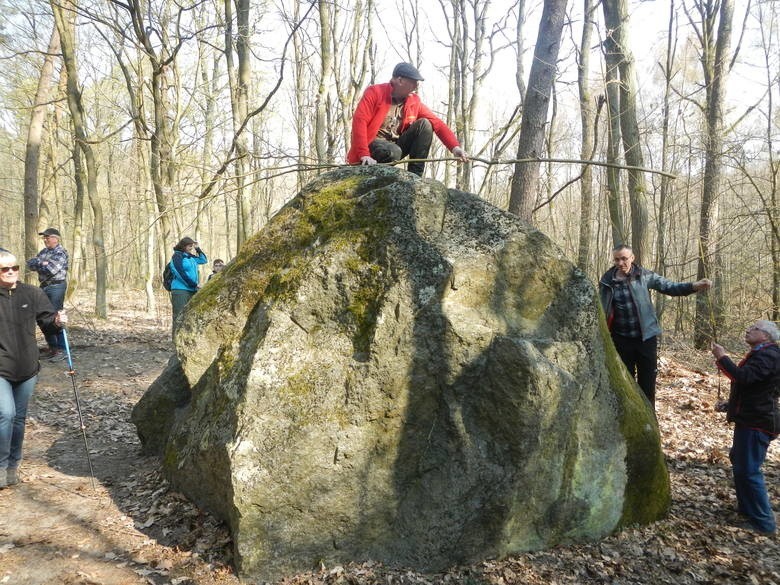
{"points": [[130, 528]]}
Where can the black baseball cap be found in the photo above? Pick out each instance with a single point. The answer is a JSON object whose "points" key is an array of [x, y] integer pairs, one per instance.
{"points": [[407, 70], [50, 232]]}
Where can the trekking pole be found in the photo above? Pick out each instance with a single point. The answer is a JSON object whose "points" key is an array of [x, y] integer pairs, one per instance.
{"points": [[72, 373]]}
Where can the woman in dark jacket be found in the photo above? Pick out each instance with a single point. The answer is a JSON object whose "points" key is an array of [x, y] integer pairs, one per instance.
{"points": [[753, 408], [22, 306]]}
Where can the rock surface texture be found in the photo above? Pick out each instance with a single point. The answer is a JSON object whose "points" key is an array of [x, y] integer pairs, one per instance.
{"points": [[396, 371]]}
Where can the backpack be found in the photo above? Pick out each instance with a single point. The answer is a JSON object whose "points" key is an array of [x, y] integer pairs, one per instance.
{"points": [[167, 277]]}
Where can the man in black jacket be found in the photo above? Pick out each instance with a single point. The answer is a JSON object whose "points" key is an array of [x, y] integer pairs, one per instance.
{"points": [[753, 408]]}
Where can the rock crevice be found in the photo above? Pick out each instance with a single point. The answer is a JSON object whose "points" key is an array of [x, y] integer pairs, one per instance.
{"points": [[395, 371]]}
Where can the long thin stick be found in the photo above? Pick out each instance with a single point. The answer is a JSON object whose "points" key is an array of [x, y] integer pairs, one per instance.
{"points": [[72, 373], [710, 310]]}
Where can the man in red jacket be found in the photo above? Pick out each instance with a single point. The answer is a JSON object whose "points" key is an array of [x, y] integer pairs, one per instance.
{"points": [[391, 122]]}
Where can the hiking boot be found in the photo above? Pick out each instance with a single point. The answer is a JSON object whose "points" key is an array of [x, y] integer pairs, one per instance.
{"points": [[11, 476], [3, 478]]}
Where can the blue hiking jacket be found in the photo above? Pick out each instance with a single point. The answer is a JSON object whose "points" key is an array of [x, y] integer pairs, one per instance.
{"points": [[185, 270]]}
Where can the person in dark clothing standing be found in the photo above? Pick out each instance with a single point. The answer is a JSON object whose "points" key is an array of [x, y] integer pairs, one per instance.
{"points": [[624, 291], [51, 264], [21, 307], [187, 256], [753, 408]]}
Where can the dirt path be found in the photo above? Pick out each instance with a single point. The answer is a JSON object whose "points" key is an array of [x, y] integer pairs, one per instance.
{"points": [[55, 528], [130, 529]]}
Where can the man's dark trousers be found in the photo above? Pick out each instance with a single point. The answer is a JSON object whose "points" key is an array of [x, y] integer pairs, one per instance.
{"points": [[641, 359], [415, 142]]}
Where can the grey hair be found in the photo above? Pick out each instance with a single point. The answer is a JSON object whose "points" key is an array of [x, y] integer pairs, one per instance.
{"points": [[770, 328], [6, 256], [622, 247]]}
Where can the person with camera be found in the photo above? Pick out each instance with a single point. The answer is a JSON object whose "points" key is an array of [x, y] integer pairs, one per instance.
{"points": [[753, 408], [22, 306], [187, 256]]}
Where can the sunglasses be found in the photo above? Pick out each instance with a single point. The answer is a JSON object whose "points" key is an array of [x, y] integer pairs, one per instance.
{"points": [[5, 269]]}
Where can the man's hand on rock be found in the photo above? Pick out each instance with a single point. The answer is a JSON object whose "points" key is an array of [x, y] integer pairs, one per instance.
{"points": [[367, 160]]}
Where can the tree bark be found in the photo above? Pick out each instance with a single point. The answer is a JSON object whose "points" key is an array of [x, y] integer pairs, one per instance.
{"points": [[663, 203], [525, 179], [612, 93], [321, 126], [586, 148], [33, 149], [617, 43], [240, 79], [715, 58], [64, 20]]}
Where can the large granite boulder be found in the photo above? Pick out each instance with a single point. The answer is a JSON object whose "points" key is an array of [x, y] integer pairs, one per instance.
{"points": [[396, 371]]}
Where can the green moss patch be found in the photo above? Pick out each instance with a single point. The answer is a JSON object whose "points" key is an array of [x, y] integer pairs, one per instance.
{"points": [[647, 496]]}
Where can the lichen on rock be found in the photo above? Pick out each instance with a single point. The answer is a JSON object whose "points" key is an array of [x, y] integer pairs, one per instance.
{"points": [[396, 371]]}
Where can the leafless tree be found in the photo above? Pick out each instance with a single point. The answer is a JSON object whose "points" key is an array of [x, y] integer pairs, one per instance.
{"points": [[64, 19], [713, 25], [617, 47], [525, 179]]}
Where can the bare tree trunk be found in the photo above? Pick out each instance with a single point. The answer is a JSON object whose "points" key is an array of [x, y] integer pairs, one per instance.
{"points": [[240, 79], [771, 205], [617, 42], [525, 180], [321, 126], [520, 47], [360, 57], [301, 119], [663, 203], [505, 136], [33, 149], [619, 235], [715, 58], [65, 25], [161, 60], [586, 149]]}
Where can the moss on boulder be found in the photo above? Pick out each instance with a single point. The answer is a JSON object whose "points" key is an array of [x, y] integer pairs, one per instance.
{"points": [[391, 370]]}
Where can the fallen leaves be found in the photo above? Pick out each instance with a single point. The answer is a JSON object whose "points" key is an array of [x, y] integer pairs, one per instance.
{"points": [[142, 528]]}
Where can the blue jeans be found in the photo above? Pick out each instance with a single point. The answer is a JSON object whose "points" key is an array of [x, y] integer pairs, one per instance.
{"points": [[748, 451], [56, 294], [14, 397]]}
